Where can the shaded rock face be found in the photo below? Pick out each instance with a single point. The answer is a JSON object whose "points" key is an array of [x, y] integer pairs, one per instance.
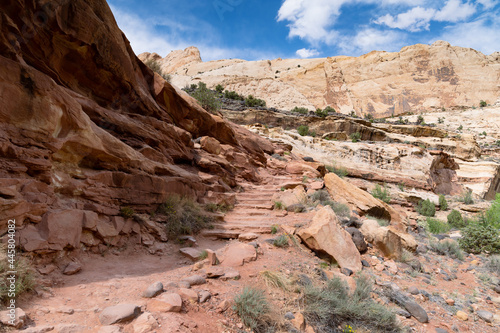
{"points": [[443, 175], [380, 83], [86, 126]]}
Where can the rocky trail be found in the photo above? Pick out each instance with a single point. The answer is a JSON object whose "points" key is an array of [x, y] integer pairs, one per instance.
{"points": [[253, 211]]}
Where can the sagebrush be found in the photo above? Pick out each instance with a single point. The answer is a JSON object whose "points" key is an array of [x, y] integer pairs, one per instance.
{"points": [[183, 216]]}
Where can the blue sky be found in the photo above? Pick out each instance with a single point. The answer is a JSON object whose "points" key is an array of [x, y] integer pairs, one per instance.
{"points": [[268, 29]]}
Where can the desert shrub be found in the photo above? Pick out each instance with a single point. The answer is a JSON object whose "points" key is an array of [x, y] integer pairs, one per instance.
{"points": [[252, 307], [330, 306], [25, 275], [252, 101], [219, 88], [493, 214], [466, 198], [443, 204], [448, 248], [420, 120], [233, 95], [127, 212], [368, 117], [183, 216], [321, 196], [321, 113], [407, 256], [480, 237], [460, 127], [303, 130], [339, 171], [482, 104], [440, 120], [340, 209], [207, 98], [493, 264], [274, 229], [278, 205], [329, 109], [275, 280], [381, 193], [155, 66], [381, 222], [214, 208], [437, 227], [300, 110], [281, 241], [426, 208], [456, 220], [355, 137]]}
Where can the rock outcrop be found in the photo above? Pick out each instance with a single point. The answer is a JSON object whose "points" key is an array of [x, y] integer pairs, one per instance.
{"points": [[416, 78], [325, 236], [87, 129]]}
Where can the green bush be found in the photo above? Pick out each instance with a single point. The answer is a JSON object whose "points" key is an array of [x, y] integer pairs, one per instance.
{"points": [[355, 137], [482, 104], [321, 113], [340, 209], [437, 227], [300, 110], [252, 307], [331, 306], [426, 208], [443, 204], [233, 95], [456, 220], [368, 117], [381, 222], [24, 275], [381, 193], [460, 128], [466, 198], [480, 237], [493, 264], [303, 130], [207, 98], [321, 196], [219, 88], [127, 212], [493, 214], [339, 171], [448, 248], [155, 66], [278, 205], [420, 120], [329, 109], [281, 241], [252, 101], [183, 216]]}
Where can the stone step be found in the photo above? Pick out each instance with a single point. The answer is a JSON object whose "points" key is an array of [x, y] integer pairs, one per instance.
{"points": [[268, 206], [254, 195], [248, 212], [260, 199]]}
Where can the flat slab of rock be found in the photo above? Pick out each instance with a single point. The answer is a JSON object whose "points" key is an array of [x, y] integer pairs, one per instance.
{"points": [[191, 253], [145, 323], [72, 268], [188, 294], [325, 234], [194, 280], [166, 303], [215, 272], [485, 315], [119, 313], [153, 290], [16, 320], [248, 236], [237, 254]]}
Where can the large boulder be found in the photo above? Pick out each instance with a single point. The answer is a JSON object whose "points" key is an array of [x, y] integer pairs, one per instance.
{"points": [[62, 228], [443, 175], [388, 240], [361, 201], [325, 236], [291, 197]]}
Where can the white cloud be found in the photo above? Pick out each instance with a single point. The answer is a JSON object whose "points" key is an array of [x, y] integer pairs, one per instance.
{"points": [[415, 19], [370, 39], [487, 3], [307, 53], [419, 18], [481, 35], [455, 11], [310, 19]]}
